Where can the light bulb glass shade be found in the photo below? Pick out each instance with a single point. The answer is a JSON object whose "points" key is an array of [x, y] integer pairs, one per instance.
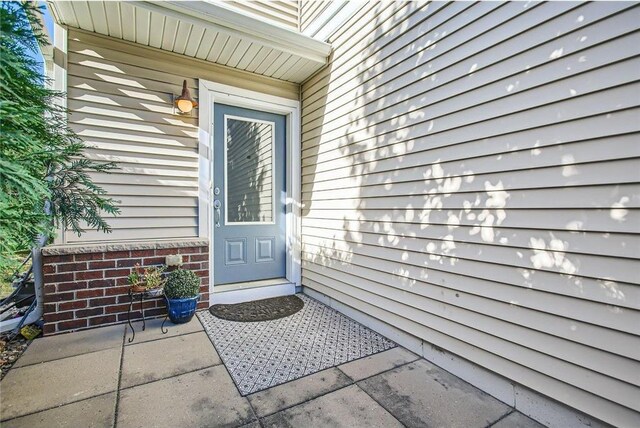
{"points": [[185, 106], [184, 102]]}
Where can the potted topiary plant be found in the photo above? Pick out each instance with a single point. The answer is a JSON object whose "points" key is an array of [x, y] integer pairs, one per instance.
{"points": [[182, 292]]}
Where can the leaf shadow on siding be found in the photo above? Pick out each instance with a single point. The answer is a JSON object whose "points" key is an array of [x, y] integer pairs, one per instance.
{"points": [[390, 214], [124, 111]]}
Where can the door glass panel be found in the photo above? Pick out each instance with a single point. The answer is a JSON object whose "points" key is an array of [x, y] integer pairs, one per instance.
{"points": [[249, 171]]}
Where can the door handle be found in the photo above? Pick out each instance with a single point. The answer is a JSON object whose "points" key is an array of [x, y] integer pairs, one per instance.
{"points": [[217, 204]]}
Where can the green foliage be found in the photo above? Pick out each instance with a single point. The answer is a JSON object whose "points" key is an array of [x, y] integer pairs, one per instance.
{"points": [[182, 284], [135, 277], [44, 173], [150, 277], [153, 276]]}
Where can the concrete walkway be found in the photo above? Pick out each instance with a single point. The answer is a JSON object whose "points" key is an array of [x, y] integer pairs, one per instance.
{"points": [[96, 379]]}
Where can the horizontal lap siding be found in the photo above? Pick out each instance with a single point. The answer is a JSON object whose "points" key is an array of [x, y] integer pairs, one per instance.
{"points": [[470, 175], [120, 103], [310, 10], [281, 12], [123, 110]]}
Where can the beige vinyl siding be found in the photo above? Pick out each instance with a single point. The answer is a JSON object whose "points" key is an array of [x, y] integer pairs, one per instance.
{"points": [[120, 101], [310, 10], [471, 176], [281, 12]]}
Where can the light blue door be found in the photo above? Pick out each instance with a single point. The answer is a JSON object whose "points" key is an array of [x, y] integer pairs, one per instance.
{"points": [[249, 195]]}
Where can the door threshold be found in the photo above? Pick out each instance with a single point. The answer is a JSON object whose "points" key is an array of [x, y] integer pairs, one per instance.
{"points": [[252, 290], [248, 285]]}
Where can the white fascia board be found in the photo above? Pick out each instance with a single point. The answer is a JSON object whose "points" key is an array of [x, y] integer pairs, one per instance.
{"points": [[233, 23]]}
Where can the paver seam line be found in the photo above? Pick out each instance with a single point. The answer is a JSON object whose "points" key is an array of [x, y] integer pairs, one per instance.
{"points": [[327, 368], [100, 350], [472, 385], [322, 395], [511, 411], [170, 377], [253, 411], [115, 411], [509, 408], [82, 399], [352, 382], [61, 358], [395, 345], [57, 406], [381, 405], [378, 374], [127, 345]]}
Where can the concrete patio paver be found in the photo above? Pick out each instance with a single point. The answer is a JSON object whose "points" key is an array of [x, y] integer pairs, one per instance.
{"points": [[517, 420], [377, 363], [295, 392], [70, 344], [96, 412], [255, 424], [153, 332], [153, 360], [347, 407], [50, 384], [390, 389], [202, 398], [421, 394]]}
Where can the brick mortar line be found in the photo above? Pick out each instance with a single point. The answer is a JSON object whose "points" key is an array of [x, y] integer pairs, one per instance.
{"points": [[352, 382]]}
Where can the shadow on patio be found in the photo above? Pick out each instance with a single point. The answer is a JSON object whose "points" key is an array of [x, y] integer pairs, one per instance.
{"points": [[96, 379]]}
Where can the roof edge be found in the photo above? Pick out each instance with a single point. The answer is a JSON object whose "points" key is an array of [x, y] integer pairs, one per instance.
{"points": [[244, 26]]}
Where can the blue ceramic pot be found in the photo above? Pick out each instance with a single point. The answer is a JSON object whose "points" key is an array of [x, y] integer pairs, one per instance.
{"points": [[182, 310]]}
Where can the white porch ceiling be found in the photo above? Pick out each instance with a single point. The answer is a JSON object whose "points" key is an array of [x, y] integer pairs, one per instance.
{"points": [[201, 30]]}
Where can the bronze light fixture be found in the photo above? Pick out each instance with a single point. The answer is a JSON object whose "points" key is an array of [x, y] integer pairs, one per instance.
{"points": [[184, 103]]}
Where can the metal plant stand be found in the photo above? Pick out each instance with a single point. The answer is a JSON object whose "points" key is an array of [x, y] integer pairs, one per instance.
{"points": [[142, 295]]}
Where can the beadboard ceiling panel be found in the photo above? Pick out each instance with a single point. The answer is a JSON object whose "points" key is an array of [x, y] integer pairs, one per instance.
{"points": [[201, 30]]}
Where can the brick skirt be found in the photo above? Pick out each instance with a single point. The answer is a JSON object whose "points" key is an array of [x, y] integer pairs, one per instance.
{"points": [[86, 286]]}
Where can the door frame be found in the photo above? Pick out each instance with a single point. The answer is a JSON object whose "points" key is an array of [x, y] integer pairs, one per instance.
{"points": [[211, 93]]}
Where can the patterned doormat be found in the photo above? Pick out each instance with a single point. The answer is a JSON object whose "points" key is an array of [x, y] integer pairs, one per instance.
{"points": [[263, 354], [259, 310]]}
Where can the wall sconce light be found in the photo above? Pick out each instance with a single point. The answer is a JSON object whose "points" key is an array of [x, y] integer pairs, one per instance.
{"points": [[184, 103]]}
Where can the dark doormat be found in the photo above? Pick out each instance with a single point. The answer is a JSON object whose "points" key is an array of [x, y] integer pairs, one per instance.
{"points": [[259, 310]]}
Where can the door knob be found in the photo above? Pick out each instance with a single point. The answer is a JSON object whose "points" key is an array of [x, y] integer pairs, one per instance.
{"points": [[217, 205]]}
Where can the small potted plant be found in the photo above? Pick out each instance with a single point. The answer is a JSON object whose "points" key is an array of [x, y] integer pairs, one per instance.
{"points": [[136, 279], [154, 280], [149, 281], [182, 292]]}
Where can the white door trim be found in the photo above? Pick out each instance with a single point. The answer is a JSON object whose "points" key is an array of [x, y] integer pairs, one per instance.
{"points": [[210, 93]]}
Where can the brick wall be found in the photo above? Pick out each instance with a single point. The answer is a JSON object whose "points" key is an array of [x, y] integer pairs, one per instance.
{"points": [[87, 286]]}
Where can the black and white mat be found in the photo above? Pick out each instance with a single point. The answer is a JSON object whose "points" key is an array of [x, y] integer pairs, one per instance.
{"points": [[263, 354]]}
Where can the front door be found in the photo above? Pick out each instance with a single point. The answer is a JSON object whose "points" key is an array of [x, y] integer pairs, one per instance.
{"points": [[249, 195]]}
